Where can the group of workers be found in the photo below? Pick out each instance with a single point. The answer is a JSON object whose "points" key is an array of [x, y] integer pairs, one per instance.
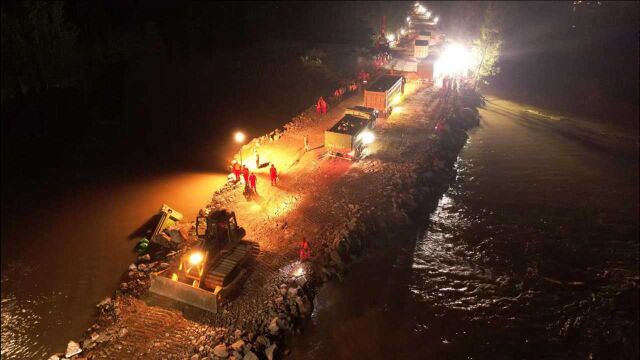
{"points": [[353, 87], [451, 84], [250, 178]]}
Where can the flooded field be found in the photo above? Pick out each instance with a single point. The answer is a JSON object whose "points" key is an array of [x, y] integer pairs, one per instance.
{"points": [[531, 253]]}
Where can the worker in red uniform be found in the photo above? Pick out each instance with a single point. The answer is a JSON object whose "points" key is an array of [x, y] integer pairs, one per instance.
{"points": [[236, 170], [245, 174], [323, 105], [274, 174], [305, 250], [252, 182], [319, 105]]}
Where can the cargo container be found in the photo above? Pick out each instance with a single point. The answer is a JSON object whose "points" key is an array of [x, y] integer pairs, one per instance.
{"points": [[382, 93], [424, 35], [349, 137], [421, 49], [425, 69]]}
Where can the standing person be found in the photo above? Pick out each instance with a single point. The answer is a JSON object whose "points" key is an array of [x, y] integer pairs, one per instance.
{"points": [[252, 182], [305, 250], [323, 104], [306, 143], [236, 170], [274, 174], [245, 174]]}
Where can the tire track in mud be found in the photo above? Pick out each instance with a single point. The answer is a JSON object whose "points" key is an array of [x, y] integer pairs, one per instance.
{"points": [[151, 331]]}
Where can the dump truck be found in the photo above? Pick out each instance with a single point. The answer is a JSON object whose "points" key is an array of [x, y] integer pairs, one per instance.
{"points": [[382, 94], [349, 137], [213, 268], [364, 112]]}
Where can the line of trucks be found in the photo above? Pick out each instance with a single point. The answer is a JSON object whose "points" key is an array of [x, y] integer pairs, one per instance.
{"points": [[349, 137]]}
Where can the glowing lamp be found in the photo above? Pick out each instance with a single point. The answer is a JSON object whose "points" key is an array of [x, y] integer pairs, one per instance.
{"points": [[239, 136], [368, 137], [195, 258]]}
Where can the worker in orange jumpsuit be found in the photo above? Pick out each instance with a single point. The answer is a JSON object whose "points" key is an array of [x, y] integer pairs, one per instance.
{"points": [[236, 170], [274, 174], [245, 174], [305, 250], [252, 182]]}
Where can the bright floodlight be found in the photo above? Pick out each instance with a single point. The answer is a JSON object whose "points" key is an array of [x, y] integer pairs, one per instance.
{"points": [[239, 136], [195, 258], [455, 60], [428, 14], [391, 37], [408, 18], [368, 137], [435, 20], [402, 31]]}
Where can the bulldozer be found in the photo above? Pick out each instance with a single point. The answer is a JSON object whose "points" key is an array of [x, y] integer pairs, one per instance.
{"points": [[213, 268]]}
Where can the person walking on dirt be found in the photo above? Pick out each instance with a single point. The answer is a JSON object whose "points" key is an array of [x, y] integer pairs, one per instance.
{"points": [[236, 170], [245, 174], [252, 182], [274, 174], [306, 143], [305, 250]]}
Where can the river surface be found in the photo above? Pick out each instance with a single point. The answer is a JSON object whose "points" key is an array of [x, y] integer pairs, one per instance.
{"points": [[531, 253], [64, 255]]}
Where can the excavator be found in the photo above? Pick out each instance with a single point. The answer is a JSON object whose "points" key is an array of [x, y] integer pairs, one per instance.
{"points": [[213, 268]]}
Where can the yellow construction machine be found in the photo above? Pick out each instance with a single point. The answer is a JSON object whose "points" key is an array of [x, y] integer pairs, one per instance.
{"points": [[213, 268]]}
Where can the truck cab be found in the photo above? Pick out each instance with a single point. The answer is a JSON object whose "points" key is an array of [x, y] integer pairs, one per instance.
{"points": [[364, 112]]}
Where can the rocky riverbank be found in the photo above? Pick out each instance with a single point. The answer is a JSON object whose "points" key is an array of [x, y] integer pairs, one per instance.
{"points": [[369, 205]]}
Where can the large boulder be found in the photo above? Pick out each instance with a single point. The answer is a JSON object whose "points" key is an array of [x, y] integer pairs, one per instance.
{"points": [[238, 345], [73, 348], [269, 352], [249, 355], [221, 351]]}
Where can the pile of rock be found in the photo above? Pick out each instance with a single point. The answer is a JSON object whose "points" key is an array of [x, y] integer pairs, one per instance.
{"points": [[289, 304]]}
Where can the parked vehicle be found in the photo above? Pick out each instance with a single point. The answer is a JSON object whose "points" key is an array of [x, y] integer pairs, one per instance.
{"points": [[382, 94], [349, 137]]}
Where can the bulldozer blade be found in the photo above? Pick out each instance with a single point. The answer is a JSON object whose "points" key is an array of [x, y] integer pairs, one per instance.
{"points": [[178, 291]]}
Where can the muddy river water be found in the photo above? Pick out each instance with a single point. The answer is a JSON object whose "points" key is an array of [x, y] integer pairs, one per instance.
{"points": [[531, 253], [63, 257]]}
